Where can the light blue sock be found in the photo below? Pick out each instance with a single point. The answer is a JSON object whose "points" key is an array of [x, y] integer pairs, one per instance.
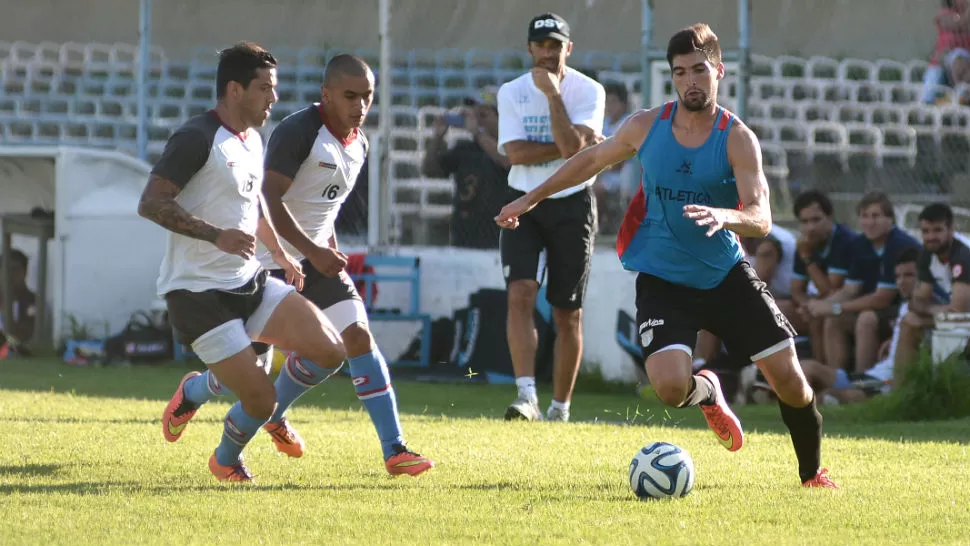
{"points": [[297, 377], [203, 388], [238, 429], [373, 385]]}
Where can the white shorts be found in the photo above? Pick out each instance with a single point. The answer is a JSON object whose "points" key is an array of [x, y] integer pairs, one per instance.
{"points": [[236, 334]]}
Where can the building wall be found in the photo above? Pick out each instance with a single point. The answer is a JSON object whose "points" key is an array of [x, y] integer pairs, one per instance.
{"points": [[899, 29]]}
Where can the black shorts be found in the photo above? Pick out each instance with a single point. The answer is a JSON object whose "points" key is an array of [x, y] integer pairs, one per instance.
{"points": [[555, 237], [194, 314], [740, 311], [321, 290]]}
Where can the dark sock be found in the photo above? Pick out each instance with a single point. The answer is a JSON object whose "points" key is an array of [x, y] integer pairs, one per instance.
{"points": [[805, 426], [701, 392]]}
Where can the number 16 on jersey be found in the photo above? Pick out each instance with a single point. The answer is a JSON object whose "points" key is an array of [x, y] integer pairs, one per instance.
{"points": [[331, 191]]}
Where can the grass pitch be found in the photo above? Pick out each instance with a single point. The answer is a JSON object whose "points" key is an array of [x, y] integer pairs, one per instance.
{"points": [[83, 461]]}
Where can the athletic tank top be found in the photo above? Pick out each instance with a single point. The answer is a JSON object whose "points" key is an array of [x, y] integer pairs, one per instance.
{"points": [[655, 237]]}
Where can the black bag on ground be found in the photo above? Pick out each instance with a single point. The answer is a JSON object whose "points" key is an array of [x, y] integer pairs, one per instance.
{"points": [[143, 341], [483, 343]]}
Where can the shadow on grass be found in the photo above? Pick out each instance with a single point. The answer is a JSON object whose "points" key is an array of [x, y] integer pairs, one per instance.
{"points": [[29, 470], [451, 401], [127, 488]]}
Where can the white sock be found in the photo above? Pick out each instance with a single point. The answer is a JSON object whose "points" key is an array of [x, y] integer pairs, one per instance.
{"points": [[527, 387], [561, 406], [699, 363]]}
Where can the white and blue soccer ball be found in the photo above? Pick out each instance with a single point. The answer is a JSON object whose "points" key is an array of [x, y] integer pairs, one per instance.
{"points": [[661, 470]]}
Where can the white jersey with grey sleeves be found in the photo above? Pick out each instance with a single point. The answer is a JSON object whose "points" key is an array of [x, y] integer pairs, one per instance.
{"points": [[323, 167], [220, 175]]}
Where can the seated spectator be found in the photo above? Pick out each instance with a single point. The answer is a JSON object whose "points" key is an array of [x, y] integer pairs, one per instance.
{"points": [[820, 263], [869, 300], [944, 280], [480, 171], [20, 329], [774, 261], [845, 387], [950, 63], [616, 185]]}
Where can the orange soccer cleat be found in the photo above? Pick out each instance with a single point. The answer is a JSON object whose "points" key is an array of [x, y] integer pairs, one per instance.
{"points": [[178, 412], [720, 418], [285, 437], [408, 462]]}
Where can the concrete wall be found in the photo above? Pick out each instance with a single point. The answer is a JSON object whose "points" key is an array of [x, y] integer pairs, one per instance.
{"points": [[450, 275], [899, 29]]}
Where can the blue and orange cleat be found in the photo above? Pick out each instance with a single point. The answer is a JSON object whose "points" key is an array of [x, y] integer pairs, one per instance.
{"points": [[720, 418], [821, 479], [408, 462], [285, 437], [232, 473], [178, 412]]}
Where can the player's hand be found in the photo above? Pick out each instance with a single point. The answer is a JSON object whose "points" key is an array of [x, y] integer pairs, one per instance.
{"points": [[328, 262], [705, 216], [508, 217], [804, 247], [439, 126], [819, 308], [471, 121], [236, 242], [545, 81], [291, 267]]}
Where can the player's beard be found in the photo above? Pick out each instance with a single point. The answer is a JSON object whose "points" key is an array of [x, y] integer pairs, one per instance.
{"points": [[696, 102]]}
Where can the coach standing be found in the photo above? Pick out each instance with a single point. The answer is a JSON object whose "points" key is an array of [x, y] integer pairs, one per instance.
{"points": [[546, 116]]}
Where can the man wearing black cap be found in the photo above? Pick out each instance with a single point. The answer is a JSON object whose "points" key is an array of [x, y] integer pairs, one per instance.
{"points": [[545, 117]]}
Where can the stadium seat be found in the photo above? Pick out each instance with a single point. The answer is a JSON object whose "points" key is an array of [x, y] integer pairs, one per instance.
{"points": [[856, 70], [886, 114], [825, 138], [785, 66], [775, 160], [889, 71], [822, 68], [816, 111], [898, 141]]}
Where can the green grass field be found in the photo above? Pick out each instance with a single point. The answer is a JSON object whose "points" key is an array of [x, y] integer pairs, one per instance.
{"points": [[83, 461]]}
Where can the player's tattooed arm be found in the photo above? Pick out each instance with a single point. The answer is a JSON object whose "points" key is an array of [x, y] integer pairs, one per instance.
{"points": [[158, 204]]}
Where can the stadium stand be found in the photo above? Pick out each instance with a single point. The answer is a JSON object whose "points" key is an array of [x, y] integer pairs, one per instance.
{"points": [[842, 125]]}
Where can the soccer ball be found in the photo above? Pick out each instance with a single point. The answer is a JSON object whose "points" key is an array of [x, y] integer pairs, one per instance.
{"points": [[660, 471]]}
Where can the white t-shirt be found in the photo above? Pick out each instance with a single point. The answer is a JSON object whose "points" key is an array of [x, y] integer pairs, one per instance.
{"points": [[883, 370], [323, 168], [523, 114], [221, 177], [780, 284]]}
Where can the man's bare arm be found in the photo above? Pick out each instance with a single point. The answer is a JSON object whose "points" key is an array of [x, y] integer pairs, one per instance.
{"points": [[158, 204], [490, 145], [569, 138], [880, 299], [591, 161], [744, 154], [799, 291], [526, 152], [266, 232], [274, 186]]}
